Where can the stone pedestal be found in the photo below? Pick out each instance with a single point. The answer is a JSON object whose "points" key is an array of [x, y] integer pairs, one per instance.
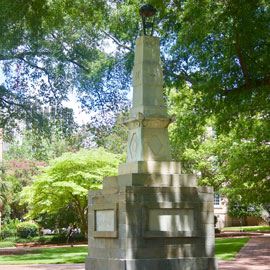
{"points": [[158, 220], [150, 216]]}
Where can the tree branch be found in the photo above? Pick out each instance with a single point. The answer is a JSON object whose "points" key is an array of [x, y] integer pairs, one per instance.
{"points": [[77, 64], [248, 86], [33, 65], [22, 55], [116, 41], [241, 59], [181, 77]]}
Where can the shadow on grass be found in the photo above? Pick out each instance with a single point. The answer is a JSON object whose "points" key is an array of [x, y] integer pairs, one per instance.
{"points": [[227, 248], [48, 256]]}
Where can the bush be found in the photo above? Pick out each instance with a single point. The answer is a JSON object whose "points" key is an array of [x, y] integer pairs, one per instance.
{"points": [[27, 229], [6, 233], [51, 239], [62, 238], [9, 228]]}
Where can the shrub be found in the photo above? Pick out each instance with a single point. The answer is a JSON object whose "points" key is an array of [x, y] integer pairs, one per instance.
{"points": [[27, 229], [9, 228], [62, 238]]}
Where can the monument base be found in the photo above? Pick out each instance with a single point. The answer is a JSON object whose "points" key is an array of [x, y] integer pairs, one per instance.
{"points": [[154, 264], [144, 221]]}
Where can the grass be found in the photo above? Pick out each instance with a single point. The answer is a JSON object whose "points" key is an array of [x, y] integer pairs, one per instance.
{"points": [[48, 256], [5, 244], [248, 228], [227, 248]]}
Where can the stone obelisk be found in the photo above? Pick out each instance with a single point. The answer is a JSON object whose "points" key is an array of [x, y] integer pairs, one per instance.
{"points": [[150, 216]]}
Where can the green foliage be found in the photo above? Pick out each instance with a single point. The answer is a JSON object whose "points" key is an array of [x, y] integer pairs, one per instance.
{"points": [[45, 239], [17, 175], [242, 211], [62, 218], [235, 163], [219, 49], [27, 229], [18, 151], [60, 51], [112, 138], [66, 183], [62, 238], [9, 228], [44, 149]]}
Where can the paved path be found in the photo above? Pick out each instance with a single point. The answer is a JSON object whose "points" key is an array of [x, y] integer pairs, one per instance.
{"points": [[255, 255]]}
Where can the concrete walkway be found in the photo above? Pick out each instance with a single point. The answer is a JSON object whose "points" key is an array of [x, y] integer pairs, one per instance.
{"points": [[255, 255]]}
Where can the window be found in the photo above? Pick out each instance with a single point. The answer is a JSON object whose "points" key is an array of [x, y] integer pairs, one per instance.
{"points": [[217, 199]]}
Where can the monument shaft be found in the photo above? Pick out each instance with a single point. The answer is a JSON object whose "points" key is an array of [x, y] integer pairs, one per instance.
{"points": [[148, 122], [150, 216]]}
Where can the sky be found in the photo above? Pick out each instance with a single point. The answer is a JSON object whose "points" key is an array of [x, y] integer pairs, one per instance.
{"points": [[2, 78]]}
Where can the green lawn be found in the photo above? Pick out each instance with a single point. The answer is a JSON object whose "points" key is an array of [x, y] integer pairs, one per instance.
{"points": [[248, 228], [48, 256], [5, 244], [227, 248]]}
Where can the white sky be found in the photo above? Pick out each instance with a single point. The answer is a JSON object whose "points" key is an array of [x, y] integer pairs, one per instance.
{"points": [[2, 78], [81, 117]]}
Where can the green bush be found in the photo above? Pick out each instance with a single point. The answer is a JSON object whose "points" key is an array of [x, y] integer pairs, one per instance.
{"points": [[9, 228], [6, 233], [51, 239], [62, 238], [27, 229]]}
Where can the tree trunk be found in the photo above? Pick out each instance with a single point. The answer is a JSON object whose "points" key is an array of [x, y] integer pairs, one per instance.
{"points": [[83, 216]]}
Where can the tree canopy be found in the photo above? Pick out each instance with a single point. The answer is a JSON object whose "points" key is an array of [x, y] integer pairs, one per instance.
{"points": [[216, 56], [235, 163], [220, 47], [66, 183]]}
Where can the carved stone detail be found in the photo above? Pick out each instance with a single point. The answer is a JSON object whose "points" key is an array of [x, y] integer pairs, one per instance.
{"points": [[133, 145], [155, 145]]}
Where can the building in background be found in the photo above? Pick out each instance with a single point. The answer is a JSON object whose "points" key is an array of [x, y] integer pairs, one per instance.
{"points": [[221, 205]]}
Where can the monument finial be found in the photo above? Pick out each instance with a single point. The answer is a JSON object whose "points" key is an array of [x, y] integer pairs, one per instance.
{"points": [[147, 13]]}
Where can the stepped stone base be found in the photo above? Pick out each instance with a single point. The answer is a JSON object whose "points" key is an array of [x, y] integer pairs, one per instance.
{"points": [[152, 264], [151, 221]]}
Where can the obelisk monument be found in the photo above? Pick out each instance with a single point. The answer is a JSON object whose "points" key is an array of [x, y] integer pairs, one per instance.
{"points": [[150, 216]]}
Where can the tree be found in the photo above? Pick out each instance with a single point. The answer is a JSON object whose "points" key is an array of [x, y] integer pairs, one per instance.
{"points": [[243, 211], [23, 160], [49, 48], [235, 165], [111, 137], [17, 175], [219, 49], [67, 181]]}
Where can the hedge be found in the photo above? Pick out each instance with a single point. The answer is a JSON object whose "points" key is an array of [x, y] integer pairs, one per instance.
{"points": [[27, 229]]}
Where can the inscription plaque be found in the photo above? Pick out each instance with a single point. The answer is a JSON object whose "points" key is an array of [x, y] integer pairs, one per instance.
{"points": [[171, 220], [105, 220]]}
